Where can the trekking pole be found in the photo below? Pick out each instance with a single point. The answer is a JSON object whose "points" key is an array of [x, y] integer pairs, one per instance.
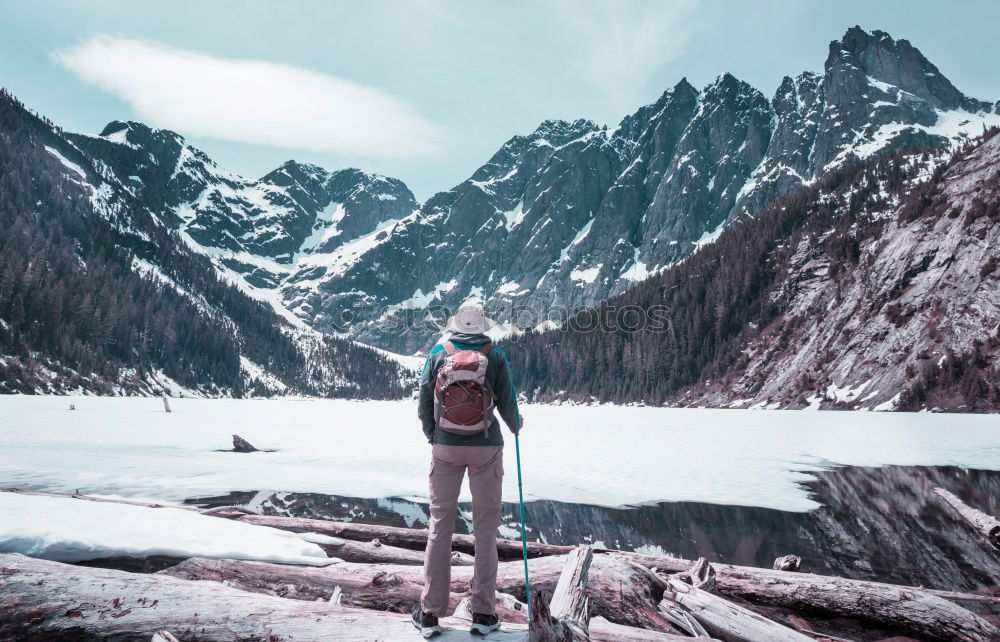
{"points": [[524, 538]]}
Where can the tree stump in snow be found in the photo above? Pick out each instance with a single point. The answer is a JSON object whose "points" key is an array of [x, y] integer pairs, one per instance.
{"points": [[241, 445], [986, 525]]}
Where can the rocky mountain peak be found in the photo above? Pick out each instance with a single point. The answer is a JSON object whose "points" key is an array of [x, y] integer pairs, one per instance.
{"points": [[899, 64], [728, 90], [294, 170], [565, 215], [560, 132], [135, 134]]}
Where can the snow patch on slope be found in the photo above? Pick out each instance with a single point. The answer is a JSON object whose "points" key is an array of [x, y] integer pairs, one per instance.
{"points": [[67, 163]]}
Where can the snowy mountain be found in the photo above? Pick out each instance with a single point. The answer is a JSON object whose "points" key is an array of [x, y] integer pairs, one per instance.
{"points": [[268, 231], [97, 294], [875, 287], [572, 213], [557, 220]]}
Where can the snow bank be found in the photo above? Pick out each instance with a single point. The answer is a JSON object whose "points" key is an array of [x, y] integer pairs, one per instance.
{"points": [[606, 455], [71, 530]]}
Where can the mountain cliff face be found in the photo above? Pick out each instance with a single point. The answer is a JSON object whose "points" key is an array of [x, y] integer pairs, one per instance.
{"points": [[98, 294], [912, 320], [875, 287], [557, 220], [262, 229], [807, 187]]}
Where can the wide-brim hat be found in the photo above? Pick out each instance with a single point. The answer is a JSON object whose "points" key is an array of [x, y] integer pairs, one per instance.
{"points": [[470, 318]]}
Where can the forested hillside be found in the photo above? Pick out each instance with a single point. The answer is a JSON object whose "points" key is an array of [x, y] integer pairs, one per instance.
{"points": [[97, 295], [874, 287]]}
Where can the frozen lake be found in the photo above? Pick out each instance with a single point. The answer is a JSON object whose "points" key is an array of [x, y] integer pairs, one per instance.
{"points": [[599, 455]]}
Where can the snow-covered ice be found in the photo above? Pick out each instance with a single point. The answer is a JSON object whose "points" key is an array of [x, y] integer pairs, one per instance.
{"points": [[604, 455], [70, 530]]}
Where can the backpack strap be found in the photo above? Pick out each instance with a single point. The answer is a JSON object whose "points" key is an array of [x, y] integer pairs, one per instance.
{"points": [[450, 348]]}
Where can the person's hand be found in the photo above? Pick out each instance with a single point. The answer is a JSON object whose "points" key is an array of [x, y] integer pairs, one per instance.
{"points": [[521, 422]]}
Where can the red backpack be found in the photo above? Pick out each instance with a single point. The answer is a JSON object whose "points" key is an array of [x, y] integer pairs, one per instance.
{"points": [[463, 399]]}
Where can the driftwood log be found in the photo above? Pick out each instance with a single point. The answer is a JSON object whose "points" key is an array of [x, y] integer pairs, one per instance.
{"points": [[689, 593], [986, 525], [922, 612], [620, 592], [602, 630], [42, 600], [626, 588], [413, 538], [909, 609], [375, 552], [905, 608]]}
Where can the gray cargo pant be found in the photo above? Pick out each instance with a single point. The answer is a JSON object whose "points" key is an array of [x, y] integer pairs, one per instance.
{"points": [[448, 466]]}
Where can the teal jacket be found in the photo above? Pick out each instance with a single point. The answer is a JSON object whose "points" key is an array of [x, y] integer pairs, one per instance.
{"points": [[498, 376]]}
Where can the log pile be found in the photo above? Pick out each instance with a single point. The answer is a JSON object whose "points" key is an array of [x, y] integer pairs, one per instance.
{"points": [[578, 594]]}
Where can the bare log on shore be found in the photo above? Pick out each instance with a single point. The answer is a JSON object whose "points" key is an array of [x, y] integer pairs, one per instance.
{"points": [[375, 552], [904, 608], [624, 596], [690, 592], [383, 587], [986, 525], [619, 591], [413, 538], [42, 600], [601, 630]]}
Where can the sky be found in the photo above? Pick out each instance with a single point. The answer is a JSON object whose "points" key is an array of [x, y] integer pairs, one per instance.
{"points": [[428, 90]]}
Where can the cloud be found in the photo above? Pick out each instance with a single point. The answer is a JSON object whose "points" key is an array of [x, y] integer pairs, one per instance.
{"points": [[251, 101], [622, 46]]}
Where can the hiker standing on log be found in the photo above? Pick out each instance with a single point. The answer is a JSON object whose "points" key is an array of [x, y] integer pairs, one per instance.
{"points": [[465, 378]]}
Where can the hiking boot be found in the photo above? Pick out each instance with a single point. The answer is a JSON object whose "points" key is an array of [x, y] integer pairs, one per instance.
{"points": [[483, 624], [426, 622]]}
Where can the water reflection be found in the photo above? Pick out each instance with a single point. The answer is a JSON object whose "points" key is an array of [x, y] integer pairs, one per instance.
{"points": [[875, 523]]}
